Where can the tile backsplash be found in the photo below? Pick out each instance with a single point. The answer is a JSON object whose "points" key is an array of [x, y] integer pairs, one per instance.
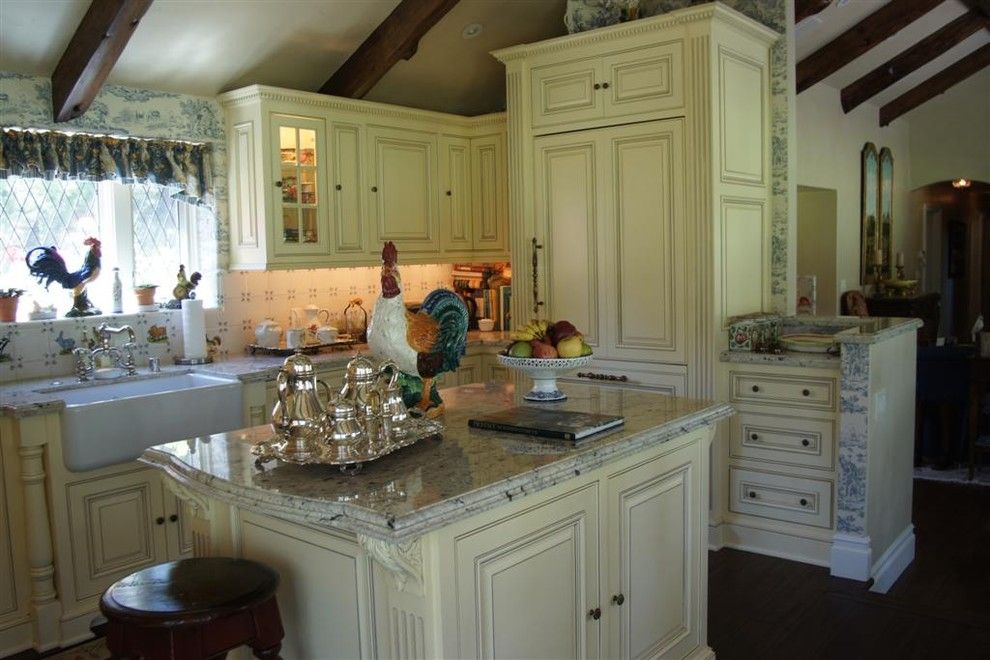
{"points": [[40, 349]]}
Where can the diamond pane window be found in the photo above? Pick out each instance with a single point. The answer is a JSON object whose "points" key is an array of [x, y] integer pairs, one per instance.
{"points": [[156, 234], [39, 212]]}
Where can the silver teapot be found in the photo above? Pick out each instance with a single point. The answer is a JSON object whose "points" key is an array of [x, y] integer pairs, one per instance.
{"points": [[394, 413], [361, 387], [299, 416]]}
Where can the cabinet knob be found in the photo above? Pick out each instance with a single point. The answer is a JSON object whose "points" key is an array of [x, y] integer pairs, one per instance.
{"points": [[337, 187], [374, 188], [806, 392], [595, 613], [618, 599], [278, 184], [173, 518], [756, 388], [449, 193], [754, 436], [597, 86], [160, 520], [752, 494], [605, 85], [805, 442], [804, 502]]}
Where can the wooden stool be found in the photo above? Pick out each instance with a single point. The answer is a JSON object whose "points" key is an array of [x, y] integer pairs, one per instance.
{"points": [[193, 609]]}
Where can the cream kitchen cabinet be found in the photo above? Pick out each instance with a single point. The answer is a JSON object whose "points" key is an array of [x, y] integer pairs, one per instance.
{"points": [[634, 83], [15, 590], [645, 204], [317, 181]]}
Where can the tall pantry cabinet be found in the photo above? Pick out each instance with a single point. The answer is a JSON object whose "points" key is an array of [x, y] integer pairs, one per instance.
{"points": [[639, 189]]}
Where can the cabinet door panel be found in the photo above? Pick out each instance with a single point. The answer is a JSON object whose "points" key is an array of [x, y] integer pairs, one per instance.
{"points": [[300, 215], [403, 189], [470, 370], [113, 528], [489, 195], [455, 197], [8, 591], [653, 507], [564, 93], [526, 584], [567, 217], [347, 143], [646, 260], [644, 80]]}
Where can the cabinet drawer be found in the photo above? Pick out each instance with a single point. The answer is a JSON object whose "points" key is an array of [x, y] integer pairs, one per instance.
{"points": [[785, 440], [777, 496], [567, 92], [799, 391], [672, 381]]}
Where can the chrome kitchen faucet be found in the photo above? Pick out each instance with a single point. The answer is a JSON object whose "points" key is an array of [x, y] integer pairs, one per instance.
{"points": [[121, 357]]}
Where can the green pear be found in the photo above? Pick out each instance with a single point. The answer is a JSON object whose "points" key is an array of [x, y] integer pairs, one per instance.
{"points": [[521, 349]]}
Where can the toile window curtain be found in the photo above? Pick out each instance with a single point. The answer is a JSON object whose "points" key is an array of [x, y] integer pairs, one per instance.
{"points": [[183, 167]]}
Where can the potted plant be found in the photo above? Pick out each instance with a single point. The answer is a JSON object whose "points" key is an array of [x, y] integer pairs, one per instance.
{"points": [[145, 294], [8, 304]]}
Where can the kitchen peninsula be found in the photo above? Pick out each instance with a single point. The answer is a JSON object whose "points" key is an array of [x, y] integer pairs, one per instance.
{"points": [[478, 543]]}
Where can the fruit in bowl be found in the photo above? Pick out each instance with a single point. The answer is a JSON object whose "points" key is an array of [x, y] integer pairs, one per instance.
{"points": [[545, 350]]}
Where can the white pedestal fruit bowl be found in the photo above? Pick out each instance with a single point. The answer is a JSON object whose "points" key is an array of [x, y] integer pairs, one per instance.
{"points": [[544, 372]]}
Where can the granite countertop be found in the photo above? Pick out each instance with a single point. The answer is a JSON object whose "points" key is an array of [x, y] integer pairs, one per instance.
{"points": [[23, 398], [849, 330], [435, 482]]}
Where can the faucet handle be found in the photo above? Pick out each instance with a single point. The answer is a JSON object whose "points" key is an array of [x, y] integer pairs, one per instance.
{"points": [[84, 363], [129, 363]]}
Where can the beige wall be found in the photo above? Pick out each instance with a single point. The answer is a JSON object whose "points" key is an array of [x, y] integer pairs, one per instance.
{"points": [[828, 153], [816, 235], [950, 135]]}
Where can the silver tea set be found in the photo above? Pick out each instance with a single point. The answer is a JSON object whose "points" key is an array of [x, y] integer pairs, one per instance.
{"points": [[365, 420]]}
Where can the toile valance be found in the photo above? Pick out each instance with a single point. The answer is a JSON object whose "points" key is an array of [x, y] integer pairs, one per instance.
{"points": [[55, 155]]}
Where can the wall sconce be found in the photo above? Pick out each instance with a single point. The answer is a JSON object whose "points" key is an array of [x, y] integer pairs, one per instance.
{"points": [[961, 183]]}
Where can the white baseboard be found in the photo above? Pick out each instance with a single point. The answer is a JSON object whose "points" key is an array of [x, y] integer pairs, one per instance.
{"points": [[894, 560], [776, 544], [850, 556], [702, 653], [715, 536]]}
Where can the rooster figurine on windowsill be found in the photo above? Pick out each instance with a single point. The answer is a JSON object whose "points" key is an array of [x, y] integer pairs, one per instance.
{"points": [[424, 344], [48, 266]]}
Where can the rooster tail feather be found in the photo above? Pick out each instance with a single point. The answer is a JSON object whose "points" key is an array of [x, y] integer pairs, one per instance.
{"points": [[48, 266], [452, 317]]}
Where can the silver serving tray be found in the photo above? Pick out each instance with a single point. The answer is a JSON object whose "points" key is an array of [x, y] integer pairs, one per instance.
{"points": [[352, 456]]}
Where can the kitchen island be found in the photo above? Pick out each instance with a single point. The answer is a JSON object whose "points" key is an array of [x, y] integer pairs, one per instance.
{"points": [[478, 543]]}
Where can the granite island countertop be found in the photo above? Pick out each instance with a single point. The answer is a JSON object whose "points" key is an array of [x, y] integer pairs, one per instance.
{"points": [[437, 481], [33, 397]]}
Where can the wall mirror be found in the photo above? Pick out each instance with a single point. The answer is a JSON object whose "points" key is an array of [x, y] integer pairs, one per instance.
{"points": [[887, 210], [869, 201]]}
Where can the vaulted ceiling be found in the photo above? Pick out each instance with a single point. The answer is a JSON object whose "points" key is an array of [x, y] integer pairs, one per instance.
{"points": [[206, 47], [839, 16]]}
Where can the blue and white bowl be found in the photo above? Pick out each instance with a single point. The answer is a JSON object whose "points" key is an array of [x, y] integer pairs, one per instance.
{"points": [[544, 372]]}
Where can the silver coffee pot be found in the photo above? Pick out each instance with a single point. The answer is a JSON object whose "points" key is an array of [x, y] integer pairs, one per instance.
{"points": [[299, 416], [361, 387]]}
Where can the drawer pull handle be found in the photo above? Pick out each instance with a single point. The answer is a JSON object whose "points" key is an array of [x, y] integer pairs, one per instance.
{"points": [[752, 494], [804, 502], [173, 518], [756, 388], [754, 436], [595, 613], [593, 376], [618, 599], [338, 186], [805, 442], [605, 85], [806, 392], [597, 86], [160, 520], [449, 193], [374, 188]]}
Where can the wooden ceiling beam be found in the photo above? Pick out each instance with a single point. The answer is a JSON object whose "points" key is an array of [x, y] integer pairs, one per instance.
{"points": [[890, 19], [805, 8], [913, 58], [396, 38], [937, 84], [982, 6], [92, 51]]}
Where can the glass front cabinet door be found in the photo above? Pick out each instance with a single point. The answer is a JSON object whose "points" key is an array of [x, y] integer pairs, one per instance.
{"points": [[300, 211]]}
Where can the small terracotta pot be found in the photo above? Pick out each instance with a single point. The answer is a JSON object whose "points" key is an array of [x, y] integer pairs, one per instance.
{"points": [[8, 309], [145, 295]]}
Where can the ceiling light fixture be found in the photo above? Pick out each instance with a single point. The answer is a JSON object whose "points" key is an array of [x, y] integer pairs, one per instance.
{"points": [[961, 183], [471, 30]]}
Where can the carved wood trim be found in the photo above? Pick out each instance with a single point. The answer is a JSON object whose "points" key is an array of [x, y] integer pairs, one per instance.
{"points": [[91, 53], [396, 38], [404, 561], [860, 38], [913, 58], [940, 82]]}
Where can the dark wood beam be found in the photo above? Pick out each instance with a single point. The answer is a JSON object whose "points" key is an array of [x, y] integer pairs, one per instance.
{"points": [[913, 58], [805, 8], [890, 19], [92, 51], [396, 38], [982, 6], [937, 84]]}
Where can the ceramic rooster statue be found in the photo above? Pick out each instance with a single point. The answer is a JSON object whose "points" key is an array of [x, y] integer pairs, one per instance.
{"points": [[424, 344], [48, 266]]}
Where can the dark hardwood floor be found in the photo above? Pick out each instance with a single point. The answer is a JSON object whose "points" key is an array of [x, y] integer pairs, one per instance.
{"points": [[763, 608]]}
